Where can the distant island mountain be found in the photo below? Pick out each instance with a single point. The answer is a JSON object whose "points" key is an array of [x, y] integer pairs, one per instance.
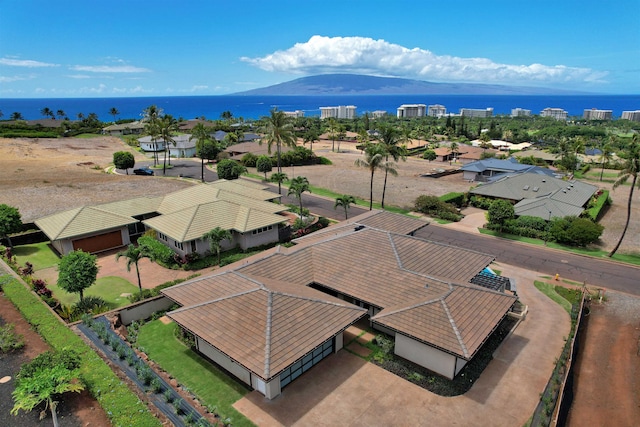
{"points": [[355, 84]]}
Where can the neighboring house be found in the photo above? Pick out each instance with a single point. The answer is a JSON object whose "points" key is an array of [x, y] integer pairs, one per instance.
{"points": [[179, 219], [484, 170], [133, 128], [303, 298], [548, 158], [236, 151], [539, 195], [181, 147]]}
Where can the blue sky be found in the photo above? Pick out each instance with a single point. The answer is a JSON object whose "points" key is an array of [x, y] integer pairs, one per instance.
{"points": [[116, 48]]}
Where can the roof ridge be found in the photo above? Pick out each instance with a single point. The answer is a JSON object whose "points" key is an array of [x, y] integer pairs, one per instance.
{"points": [[188, 307], [267, 344], [415, 305], [455, 329]]}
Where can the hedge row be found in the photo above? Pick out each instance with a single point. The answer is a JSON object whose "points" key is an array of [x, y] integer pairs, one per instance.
{"points": [[600, 202], [121, 405]]}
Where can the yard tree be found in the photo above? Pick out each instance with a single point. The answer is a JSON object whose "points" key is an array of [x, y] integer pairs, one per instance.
{"points": [[310, 137], [630, 169], [373, 160], [168, 125], [215, 237], [114, 112], [206, 148], [45, 378], [345, 201], [230, 169], [278, 177], [390, 138], [10, 222], [151, 118], [454, 149], [61, 114], [499, 212], [264, 165], [332, 128], [278, 131], [124, 160], [606, 154], [77, 271], [47, 112], [133, 256], [297, 186], [429, 155], [15, 116]]}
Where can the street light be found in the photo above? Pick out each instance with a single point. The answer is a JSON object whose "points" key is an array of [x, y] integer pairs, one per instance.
{"points": [[546, 234]]}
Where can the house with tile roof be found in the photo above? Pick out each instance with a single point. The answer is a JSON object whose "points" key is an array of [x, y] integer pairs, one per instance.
{"points": [[268, 319], [485, 170], [539, 195], [131, 128], [180, 219]]}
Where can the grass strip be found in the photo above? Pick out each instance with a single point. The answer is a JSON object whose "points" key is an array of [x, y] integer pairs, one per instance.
{"points": [[38, 254], [549, 290], [121, 405], [213, 387], [110, 289]]}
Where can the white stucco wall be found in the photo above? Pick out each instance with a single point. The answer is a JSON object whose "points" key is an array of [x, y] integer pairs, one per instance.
{"points": [[214, 354], [424, 355], [249, 240]]}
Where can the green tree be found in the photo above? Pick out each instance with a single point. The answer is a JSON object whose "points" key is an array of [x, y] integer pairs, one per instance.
{"points": [[133, 255], [500, 211], [230, 169], [332, 128], [345, 202], [278, 177], [206, 147], [114, 112], [15, 116], [606, 154], [47, 112], [61, 114], [10, 222], [310, 137], [226, 115], [454, 149], [168, 125], [46, 378], [278, 131], [373, 160], [77, 271], [151, 118], [264, 164], [215, 237], [298, 185], [630, 169], [124, 160], [429, 155], [390, 138]]}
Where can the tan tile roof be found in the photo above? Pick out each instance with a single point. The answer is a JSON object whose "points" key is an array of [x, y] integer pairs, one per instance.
{"points": [[264, 325], [81, 221], [133, 207], [192, 222]]}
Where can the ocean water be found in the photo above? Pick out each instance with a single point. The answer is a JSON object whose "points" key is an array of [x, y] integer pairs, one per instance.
{"points": [[254, 107]]}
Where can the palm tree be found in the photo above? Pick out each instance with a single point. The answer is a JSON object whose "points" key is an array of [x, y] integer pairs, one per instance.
{"points": [[631, 168], [15, 116], [278, 177], [605, 155], [310, 136], [345, 201], [114, 112], [202, 135], [133, 255], [453, 146], [279, 131], [373, 159], [167, 126], [332, 127], [299, 185], [390, 139], [151, 116], [46, 112], [215, 237], [61, 114]]}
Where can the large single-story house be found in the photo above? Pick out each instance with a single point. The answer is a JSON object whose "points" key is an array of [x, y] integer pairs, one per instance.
{"points": [[539, 195], [269, 319], [182, 145], [133, 128], [180, 219], [485, 170]]}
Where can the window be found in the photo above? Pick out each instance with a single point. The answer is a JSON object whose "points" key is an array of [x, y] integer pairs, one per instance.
{"points": [[262, 229], [194, 247], [178, 245]]}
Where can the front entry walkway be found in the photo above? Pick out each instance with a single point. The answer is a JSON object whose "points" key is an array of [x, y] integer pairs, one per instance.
{"points": [[344, 389]]}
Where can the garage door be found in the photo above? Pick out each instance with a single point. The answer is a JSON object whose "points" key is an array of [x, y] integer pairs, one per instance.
{"points": [[304, 364], [99, 243]]}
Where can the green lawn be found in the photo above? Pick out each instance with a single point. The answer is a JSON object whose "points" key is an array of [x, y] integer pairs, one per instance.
{"points": [[549, 290], [212, 386], [38, 254], [108, 288]]}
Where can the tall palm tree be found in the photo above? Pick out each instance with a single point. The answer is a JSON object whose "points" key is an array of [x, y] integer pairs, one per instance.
{"points": [[151, 116], [631, 169], [332, 127], [133, 255], [453, 147], [279, 131], [373, 160], [202, 135], [167, 125], [345, 201], [114, 112], [215, 237], [46, 112], [390, 138], [310, 136], [299, 185], [605, 155], [61, 114], [278, 177]]}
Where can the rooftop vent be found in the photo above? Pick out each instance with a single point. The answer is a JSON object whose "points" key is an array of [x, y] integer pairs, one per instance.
{"points": [[544, 180], [358, 228], [535, 188], [526, 187]]}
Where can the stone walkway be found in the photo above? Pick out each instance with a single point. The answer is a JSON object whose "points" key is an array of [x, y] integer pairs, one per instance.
{"points": [[346, 390]]}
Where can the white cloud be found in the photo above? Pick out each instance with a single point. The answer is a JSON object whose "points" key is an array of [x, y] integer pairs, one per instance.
{"points": [[25, 63], [110, 69], [9, 79], [79, 76], [364, 55], [198, 88]]}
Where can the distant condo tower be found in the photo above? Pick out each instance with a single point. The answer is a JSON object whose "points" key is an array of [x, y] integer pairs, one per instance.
{"points": [[520, 112], [634, 116], [472, 112], [378, 114], [556, 113], [436, 110], [340, 112], [295, 114], [594, 114], [411, 110]]}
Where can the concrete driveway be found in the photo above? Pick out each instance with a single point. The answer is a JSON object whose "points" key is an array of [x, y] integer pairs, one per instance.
{"points": [[346, 390]]}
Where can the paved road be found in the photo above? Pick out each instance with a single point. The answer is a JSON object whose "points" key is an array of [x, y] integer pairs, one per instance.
{"points": [[186, 168]]}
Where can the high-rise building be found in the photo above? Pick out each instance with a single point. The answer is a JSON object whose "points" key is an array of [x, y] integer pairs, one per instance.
{"points": [[634, 116], [339, 112], [520, 112], [378, 114], [436, 110], [411, 110], [556, 113], [473, 112], [594, 114], [295, 114]]}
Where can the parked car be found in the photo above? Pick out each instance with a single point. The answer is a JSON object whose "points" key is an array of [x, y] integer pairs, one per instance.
{"points": [[143, 171]]}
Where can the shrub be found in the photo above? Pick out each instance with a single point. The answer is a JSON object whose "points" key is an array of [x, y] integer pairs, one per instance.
{"points": [[249, 160], [499, 212], [229, 169], [90, 304], [432, 205], [456, 199], [9, 339], [429, 155], [159, 252]]}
